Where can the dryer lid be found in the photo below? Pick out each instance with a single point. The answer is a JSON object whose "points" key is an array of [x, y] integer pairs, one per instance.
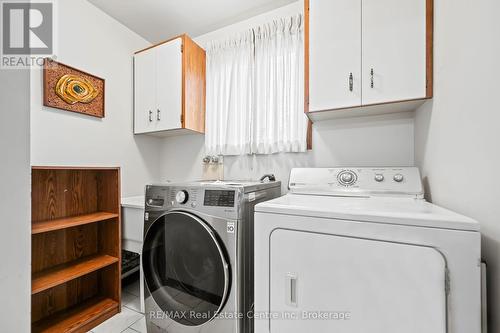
{"points": [[388, 210]]}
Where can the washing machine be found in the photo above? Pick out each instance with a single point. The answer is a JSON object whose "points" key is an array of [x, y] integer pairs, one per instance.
{"points": [[197, 255], [359, 250]]}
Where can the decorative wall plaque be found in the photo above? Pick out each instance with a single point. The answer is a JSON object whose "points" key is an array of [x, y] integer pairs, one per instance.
{"points": [[71, 89]]}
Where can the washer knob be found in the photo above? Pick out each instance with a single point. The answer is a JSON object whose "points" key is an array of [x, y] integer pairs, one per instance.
{"points": [[379, 177], [182, 197], [398, 177]]}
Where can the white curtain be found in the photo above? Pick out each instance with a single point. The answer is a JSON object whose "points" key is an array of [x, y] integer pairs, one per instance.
{"points": [[230, 67], [279, 123], [255, 91]]}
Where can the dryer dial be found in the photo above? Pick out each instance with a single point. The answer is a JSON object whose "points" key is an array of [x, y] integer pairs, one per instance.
{"points": [[347, 177]]}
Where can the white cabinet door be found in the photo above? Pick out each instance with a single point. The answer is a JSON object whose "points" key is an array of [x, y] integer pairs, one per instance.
{"points": [[169, 85], [144, 91], [394, 47], [334, 54], [360, 285]]}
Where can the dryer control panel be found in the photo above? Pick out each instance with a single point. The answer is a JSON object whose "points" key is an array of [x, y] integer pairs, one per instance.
{"points": [[354, 181]]}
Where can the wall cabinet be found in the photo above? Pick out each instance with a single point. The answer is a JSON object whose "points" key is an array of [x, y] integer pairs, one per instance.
{"points": [[362, 55], [169, 88]]}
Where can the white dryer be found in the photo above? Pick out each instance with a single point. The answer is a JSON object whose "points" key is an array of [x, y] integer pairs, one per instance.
{"points": [[359, 250]]}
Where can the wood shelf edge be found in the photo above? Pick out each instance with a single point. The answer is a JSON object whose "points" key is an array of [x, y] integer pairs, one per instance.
{"points": [[73, 168], [80, 318], [38, 227], [58, 275]]}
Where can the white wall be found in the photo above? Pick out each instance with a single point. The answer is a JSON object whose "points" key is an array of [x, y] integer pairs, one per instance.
{"points": [[458, 133], [91, 40], [15, 217], [374, 141], [377, 141]]}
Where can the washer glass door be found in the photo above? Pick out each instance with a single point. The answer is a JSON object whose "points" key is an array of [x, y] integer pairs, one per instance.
{"points": [[185, 268]]}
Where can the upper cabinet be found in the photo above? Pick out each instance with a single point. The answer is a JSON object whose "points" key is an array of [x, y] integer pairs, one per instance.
{"points": [[367, 56], [169, 88]]}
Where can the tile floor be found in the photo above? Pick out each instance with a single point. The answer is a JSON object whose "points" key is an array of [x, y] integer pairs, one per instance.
{"points": [[130, 320]]}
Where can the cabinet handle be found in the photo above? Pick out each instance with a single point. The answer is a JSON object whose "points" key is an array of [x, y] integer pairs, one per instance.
{"points": [[158, 112], [291, 289], [351, 82], [372, 84], [150, 116]]}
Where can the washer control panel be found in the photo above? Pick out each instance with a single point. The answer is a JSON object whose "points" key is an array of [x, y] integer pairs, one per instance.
{"points": [[219, 198], [355, 181], [182, 197], [212, 200]]}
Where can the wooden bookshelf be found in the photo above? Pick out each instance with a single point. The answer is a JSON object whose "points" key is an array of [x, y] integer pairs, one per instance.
{"points": [[76, 251]]}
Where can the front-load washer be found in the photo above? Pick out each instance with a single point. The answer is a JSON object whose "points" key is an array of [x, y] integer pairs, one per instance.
{"points": [[359, 250], [197, 255]]}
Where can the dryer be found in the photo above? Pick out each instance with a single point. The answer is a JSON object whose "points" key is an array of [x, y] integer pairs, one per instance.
{"points": [[359, 250], [197, 255]]}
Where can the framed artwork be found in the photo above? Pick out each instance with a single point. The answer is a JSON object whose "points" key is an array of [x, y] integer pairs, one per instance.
{"points": [[71, 89]]}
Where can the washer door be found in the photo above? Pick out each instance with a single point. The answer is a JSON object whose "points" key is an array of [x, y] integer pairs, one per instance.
{"points": [[185, 268]]}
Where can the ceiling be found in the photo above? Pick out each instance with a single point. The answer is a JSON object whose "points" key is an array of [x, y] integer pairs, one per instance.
{"points": [[157, 20]]}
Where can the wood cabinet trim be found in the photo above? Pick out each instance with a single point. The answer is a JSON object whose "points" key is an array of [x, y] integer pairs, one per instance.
{"points": [[194, 86], [306, 73], [160, 43], [183, 101], [430, 47]]}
